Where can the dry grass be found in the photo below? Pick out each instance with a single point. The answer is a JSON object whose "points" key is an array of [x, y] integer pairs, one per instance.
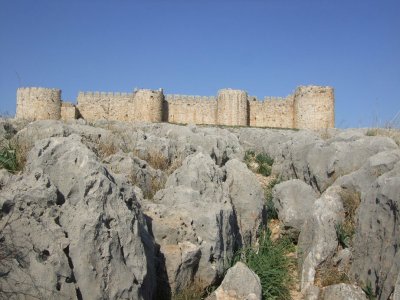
{"points": [[392, 133], [106, 148], [195, 291], [157, 160], [328, 274], [351, 200]]}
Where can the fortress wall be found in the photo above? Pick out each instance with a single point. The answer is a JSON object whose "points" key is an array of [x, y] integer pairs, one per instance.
{"points": [[272, 112], [37, 103], [68, 111], [121, 107], [94, 106], [314, 107], [232, 108], [192, 109], [148, 105]]}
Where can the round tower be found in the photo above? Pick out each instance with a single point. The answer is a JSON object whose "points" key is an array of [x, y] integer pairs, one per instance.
{"points": [[232, 108], [35, 103], [148, 105], [314, 107]]}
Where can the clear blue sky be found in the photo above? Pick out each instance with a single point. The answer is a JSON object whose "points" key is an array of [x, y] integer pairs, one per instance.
{"points": [[197, 47]]}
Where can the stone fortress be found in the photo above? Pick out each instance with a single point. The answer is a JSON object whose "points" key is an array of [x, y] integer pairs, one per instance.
{"points": [[309, 107]]}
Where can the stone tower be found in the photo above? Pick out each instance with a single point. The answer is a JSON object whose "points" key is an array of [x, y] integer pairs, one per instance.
{"points": [[36, 103], [232, 108], [148, 105], [314, 107]]}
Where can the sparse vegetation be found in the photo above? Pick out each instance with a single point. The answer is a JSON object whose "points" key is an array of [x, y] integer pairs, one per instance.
{"points": [[195, 291], [260, 163], [343, 235], [329, 274], [368, 291], [272, 265], [345, 231], [8, 158], [13, 155], [106, 148]]}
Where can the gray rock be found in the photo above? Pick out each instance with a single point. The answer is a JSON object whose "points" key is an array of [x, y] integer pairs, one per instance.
{"points": [[343, 291], [240, 283], [5, 178], [194, 208], [318, 240], [204, 204], [312, 293], [376, 257], [247, 198], [293, 199], [321, 163], [138, 171], [88, 226]]}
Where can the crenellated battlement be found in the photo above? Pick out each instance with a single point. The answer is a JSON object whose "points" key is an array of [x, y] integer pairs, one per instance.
{"points": [[307, 107]]}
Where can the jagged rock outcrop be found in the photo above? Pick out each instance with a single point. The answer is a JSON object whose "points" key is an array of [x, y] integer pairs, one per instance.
{"points": [[200, 205], [81, 234]]}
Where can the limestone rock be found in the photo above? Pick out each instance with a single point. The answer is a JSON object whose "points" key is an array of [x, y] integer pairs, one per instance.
{"points": [[247, 198], [137, 171], [342, 291], [376, 257], [83, 231], [203, 204], [194, 208], [240, 283], [321, 163], [318, 240], [293, 199]]}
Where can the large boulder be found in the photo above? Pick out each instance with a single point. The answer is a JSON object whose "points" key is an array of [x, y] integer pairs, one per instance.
{"points": [[200, 208], [376, 242], [247, 198], [240, 283], [81, 232], [293, 200], [318, 240], [342, 291]]}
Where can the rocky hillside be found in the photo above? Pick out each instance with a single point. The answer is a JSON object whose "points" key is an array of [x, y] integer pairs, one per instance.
{"points": [[160, 211]]}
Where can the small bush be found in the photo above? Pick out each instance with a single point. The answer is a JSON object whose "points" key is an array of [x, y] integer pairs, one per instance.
{"points": [[106, 148], [343, 235], [272, 265], [372, 132], [8, 158], [195, 291], [264, 159], [260, 163], [264, 170]]}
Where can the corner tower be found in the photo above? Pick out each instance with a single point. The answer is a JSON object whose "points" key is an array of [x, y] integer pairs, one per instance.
{"points": [[148, 105], [232, 108], [314, 107], [36, 103]]}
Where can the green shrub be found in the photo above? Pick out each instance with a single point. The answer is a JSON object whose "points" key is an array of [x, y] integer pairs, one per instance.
{"points": [[272, 265], [8, 158], [264, 159], [249, 156], [343, 236], [264, 170]]}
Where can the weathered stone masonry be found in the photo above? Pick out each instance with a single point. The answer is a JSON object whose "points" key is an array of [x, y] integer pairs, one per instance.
{"points": [[309, 107]]}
